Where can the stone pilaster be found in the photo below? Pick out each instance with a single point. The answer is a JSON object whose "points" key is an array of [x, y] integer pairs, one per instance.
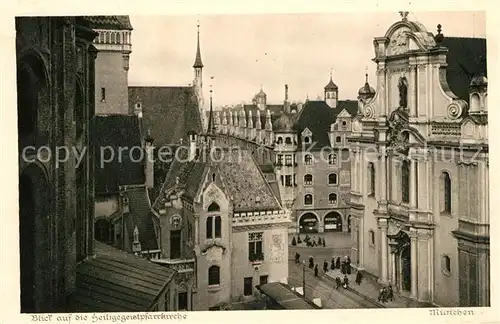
{"points": [[414, 263], [384, 262]]}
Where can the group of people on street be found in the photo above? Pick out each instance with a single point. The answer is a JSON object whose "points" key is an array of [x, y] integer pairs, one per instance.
{"points": [[385, 294], [312, 242]]}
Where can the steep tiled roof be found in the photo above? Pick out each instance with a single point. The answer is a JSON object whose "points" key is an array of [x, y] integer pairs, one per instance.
{"points": [[241, 175], [117, 281], [245, 183], [168, 112], [317, 116], [140, 215], [110, 22], [116, 131], [466, 58]]}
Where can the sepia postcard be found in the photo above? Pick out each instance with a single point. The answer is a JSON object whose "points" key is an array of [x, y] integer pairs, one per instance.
{"points": [[205, 165]]}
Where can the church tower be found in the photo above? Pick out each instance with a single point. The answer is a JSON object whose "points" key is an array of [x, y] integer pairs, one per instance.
{"points": [[198, 81], [331, 93]]}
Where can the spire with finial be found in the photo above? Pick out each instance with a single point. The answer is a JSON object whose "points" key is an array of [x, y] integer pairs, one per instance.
{"points": [[197, 61], [211, 125]]}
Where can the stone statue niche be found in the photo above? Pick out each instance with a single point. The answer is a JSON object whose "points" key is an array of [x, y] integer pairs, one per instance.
{"points": [[403, 92]]}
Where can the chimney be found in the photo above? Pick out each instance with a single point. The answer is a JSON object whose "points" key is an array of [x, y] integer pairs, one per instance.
{"points": [[193, 139], [286, 103]]}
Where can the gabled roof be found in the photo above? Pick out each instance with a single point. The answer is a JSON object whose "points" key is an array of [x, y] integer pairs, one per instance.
{"points": [[118, 281], [318, 117], [140, 215], [169, 113], [466, 58], [241, 176], [110, 22], [116, 131], [245, 183]]}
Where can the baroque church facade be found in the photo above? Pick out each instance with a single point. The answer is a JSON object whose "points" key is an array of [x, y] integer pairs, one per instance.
{"points": [[420, 170]]}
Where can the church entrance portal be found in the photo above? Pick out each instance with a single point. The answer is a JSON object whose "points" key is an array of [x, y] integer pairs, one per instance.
{"points": [[333, 222], [308, 223], [400, 247], [405, 269]]}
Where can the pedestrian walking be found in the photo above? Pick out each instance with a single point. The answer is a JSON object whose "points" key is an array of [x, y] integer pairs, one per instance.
{"points": [[325, 266], [311, 262], [346, 282], [359, 277], [332, 266], [338, 282], [337, 263], [316, 270]]}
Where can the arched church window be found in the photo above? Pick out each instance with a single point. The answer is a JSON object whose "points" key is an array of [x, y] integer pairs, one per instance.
{"points": [[405, 181], [446, 193], [371, 175]]}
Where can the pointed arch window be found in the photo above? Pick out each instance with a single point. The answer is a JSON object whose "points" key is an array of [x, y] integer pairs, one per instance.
{"points": [[308, 199], [446, 193], [213, 222], [405, 181], [308, 179], [214, 207], [371, 178]]}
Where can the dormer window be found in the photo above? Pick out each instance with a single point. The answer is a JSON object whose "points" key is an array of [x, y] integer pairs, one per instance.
{"points": [[307, 140], [288, 140]]}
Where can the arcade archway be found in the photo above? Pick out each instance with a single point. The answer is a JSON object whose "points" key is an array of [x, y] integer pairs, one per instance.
{"points": [[34, 249], [308, 223], [333, 222]]}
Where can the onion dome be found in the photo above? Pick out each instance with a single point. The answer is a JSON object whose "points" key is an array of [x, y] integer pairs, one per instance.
{"points": [[261, 93], [366, 90], [284, 124], [331, 85]]}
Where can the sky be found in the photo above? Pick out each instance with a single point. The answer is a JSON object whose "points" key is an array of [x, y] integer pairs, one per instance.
{"points": [[244, 52]]}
